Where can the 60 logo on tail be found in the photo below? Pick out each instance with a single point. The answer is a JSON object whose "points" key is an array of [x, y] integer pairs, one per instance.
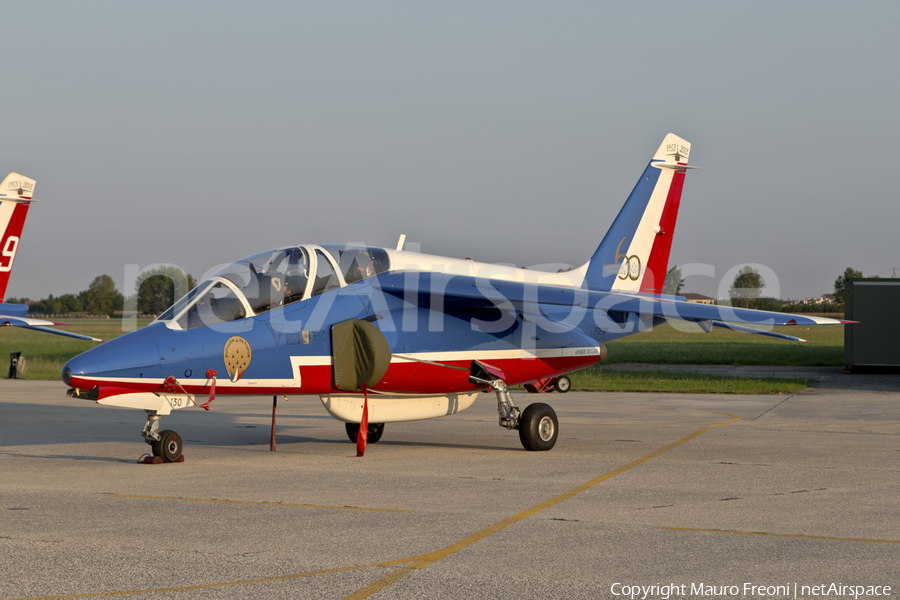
{"points": [[631, 266]]}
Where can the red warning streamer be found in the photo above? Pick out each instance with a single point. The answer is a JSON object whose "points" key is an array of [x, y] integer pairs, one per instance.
{"points": [[172, 386], [212, 390], [363, 426]]}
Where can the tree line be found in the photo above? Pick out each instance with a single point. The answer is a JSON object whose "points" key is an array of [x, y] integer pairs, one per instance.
{"points": [[746, 291], [154, 292]]}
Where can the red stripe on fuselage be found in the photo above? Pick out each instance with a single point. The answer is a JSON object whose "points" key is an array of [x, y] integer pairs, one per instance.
{"points": [[658, 262], [401, 377]]}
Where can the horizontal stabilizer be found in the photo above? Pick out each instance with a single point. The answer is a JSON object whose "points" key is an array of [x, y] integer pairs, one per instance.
{"points": [[674, 167], [41, 325], [742, 329]]}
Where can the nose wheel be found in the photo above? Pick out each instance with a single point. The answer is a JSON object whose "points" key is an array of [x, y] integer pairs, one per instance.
{"points": [[166, 444], [168, 447]]}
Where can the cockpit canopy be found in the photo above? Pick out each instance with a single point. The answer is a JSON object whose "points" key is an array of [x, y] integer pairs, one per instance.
{"points": [[273, 279]]}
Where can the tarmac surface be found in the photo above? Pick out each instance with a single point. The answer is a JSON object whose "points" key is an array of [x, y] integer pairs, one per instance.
{"points": [[640, 490]]}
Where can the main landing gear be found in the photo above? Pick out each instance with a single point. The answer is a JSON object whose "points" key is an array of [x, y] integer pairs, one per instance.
{"points": [[537, 424], [166, 444], [373, 433]]}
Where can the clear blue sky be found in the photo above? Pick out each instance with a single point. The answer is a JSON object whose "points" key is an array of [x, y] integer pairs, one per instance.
{"points": [[194, 133]]}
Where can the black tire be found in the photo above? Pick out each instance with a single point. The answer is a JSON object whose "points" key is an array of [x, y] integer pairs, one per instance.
{"points": [[374, 433], [563, 384], [538, 427], [169, 446]]}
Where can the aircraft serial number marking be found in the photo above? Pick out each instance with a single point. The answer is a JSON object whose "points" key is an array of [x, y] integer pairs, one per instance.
{"points": [[9, 251], [486, 286]]}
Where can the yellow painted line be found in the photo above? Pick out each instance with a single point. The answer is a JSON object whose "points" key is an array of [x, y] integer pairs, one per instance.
{"points": [[203, 586], [429, 559], [410, 564], [257, 503], [785, 535]]}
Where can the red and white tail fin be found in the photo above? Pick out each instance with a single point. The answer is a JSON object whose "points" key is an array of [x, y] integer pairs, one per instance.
{"points": [[15, 197], [634, 254]]}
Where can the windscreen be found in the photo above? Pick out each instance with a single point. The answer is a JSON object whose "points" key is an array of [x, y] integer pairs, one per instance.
{"points": [[265, 281], [270, 279], [217, 304], [359, 262]]}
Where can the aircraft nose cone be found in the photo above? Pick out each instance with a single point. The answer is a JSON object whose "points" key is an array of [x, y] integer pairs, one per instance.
{"points": [[131, 355], [82, 365]]}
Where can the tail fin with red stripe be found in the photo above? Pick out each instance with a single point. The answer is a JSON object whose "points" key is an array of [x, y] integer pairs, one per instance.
{"points": [[634, 254], [15, 198]]}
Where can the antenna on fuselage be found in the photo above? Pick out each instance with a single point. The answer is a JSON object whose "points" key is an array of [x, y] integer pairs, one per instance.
{"points": [[401, 241]]}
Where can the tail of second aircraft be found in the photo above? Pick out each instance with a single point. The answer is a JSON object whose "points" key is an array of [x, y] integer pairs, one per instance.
{"points": [[15, 197], [634, 254]]}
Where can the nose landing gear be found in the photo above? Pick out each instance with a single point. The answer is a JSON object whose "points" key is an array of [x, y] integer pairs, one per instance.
{"points": [[166, 444]]}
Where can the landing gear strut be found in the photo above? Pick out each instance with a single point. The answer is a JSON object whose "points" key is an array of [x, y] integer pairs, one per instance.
{"points": [[537, 424], [509, 413], [166, 444]]}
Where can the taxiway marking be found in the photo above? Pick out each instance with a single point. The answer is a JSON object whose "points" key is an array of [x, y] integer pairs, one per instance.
{"points": [[429, 559], [408, 565]]}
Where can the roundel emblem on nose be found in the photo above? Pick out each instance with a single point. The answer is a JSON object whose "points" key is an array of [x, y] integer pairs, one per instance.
{"points": [[237, 357]]}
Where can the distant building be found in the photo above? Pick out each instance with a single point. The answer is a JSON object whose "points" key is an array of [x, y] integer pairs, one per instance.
{"points": [[698, 298], [823, 299]]}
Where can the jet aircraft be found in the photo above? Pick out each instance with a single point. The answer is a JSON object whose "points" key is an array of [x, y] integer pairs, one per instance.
{"points": [[383, 335], [15, 198]]}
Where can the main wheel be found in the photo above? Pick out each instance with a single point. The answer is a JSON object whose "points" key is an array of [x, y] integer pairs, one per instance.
{"points": [[169, 446], [538, 427], [562, 384], [373, 433]]}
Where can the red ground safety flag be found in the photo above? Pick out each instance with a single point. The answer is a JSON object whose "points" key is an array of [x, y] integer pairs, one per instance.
{"points": [[210, 374], [363, 426]]}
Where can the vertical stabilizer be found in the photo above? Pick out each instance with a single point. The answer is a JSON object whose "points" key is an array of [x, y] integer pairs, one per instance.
{"points": [[634, 254], [15, 197]]}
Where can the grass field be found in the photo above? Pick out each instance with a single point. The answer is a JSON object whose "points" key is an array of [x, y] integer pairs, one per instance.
{"points": [[597, 380], [46, 354], [666, 345]]}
